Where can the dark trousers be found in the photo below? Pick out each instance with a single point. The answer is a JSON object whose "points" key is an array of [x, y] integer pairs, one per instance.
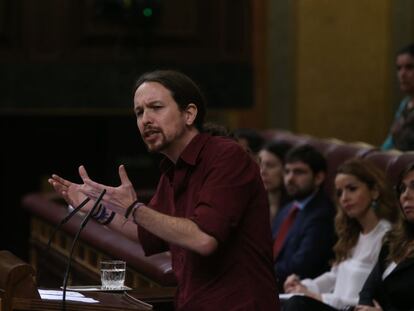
{"points": [[304, 303]]}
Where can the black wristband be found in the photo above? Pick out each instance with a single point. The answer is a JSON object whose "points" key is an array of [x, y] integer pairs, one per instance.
{"points": [[103, 216], [98, 211], [129, 209], [110, 218], [134, 209], [101, 211]]}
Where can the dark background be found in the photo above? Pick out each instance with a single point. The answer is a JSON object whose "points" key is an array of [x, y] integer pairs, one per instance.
{"points": [[67, 68]]}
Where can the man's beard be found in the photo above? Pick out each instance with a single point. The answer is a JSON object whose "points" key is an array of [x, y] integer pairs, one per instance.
{"points": [[158, 147], [163, 143], [301, 194], [154, 145]]}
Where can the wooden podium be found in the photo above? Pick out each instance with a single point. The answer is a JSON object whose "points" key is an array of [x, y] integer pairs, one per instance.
{"points": [[16, 280], [18, 291], [155, 299]]}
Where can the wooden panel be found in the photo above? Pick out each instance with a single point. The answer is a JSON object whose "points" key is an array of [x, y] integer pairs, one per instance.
{"points": [[42, 29], [92, 50], [255, 115], [9, 30], [180, 30], [341, 74], [170, 19], [3, 20], [237, 26]]}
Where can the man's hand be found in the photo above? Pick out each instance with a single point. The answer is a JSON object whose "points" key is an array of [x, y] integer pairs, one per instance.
{"points": [[116, 199], [68, 190]]}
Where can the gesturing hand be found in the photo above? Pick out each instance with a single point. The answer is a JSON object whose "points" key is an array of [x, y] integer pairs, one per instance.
{"points": [[116, 199], [68, 190]]}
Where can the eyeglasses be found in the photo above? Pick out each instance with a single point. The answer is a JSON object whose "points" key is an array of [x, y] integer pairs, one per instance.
{"points": [[401, 188]]}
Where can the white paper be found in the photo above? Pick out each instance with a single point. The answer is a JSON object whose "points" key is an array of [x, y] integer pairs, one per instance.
{"points": [[50, 294]]}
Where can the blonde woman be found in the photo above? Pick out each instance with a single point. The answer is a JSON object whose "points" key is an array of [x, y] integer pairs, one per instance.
{"points": [[390, 286]]}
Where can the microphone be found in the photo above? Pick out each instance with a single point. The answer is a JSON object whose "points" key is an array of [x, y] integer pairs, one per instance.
{"points": [[83, 224], [56, 229], [65, 220]]}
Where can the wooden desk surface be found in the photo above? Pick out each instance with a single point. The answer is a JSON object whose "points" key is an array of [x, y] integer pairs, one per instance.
{"points": [[107, 301]]}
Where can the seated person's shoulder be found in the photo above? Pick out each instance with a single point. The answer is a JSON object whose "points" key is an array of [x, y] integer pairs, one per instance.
{"points": [[321, 207], [322, 200]]}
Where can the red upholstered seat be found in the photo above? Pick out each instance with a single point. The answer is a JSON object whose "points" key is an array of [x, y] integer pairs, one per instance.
{"points": [[339, 153], [335, 151], [384, 160], [397, 166]]}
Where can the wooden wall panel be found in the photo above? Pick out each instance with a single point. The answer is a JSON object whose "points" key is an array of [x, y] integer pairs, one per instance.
{"points": [[176, 19], [10, 34], [342, 69], [3, 21], [89, 52], [182, 31]]}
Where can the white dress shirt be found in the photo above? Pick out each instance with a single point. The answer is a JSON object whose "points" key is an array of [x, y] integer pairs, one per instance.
{"points": [[341, 285]]}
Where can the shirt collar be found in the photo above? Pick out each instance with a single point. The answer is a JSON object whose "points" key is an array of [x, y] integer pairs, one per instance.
{"points": [[302, 203], [189, 154]]}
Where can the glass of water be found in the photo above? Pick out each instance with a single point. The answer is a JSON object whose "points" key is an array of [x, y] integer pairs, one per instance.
{"points": [[113, 274]]}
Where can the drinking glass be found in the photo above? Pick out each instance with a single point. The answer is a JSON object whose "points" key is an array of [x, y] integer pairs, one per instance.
{"points": [[113, 274]]}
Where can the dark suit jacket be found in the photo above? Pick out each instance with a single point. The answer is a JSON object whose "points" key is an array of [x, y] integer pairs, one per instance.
{"points": [[396, 291], [307, 249]]}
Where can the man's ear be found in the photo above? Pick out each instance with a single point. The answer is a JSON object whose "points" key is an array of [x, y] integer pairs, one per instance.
{"points": [[190, 114]]}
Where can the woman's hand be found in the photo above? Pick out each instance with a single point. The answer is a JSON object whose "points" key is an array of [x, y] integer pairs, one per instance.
{"points": [[291, 282], [302, 289]]}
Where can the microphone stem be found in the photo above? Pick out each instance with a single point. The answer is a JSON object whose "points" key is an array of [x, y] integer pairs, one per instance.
{"points": [[83, 224]]}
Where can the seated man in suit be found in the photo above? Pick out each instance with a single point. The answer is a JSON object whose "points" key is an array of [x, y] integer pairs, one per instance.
{"points": [[303, 230]]}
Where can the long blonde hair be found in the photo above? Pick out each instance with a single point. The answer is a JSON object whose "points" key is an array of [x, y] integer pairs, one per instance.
{"points": [[400, 238], [347, 228]]}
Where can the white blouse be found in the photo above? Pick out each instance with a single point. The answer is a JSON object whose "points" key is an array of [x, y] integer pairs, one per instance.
{"points": [[341, 285]]}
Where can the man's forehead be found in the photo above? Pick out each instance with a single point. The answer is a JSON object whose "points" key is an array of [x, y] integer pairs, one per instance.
{"points": [[405, 59], [149, 92], [297, 165]]}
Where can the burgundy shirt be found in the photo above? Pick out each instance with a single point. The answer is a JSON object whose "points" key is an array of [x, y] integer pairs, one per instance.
{"points": [[217, 184]]}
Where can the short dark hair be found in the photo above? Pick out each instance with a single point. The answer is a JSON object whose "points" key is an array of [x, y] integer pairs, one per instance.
{"points": [[183, 90], [308, 155], [253, 138], [408, 49], [278, 148]]}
